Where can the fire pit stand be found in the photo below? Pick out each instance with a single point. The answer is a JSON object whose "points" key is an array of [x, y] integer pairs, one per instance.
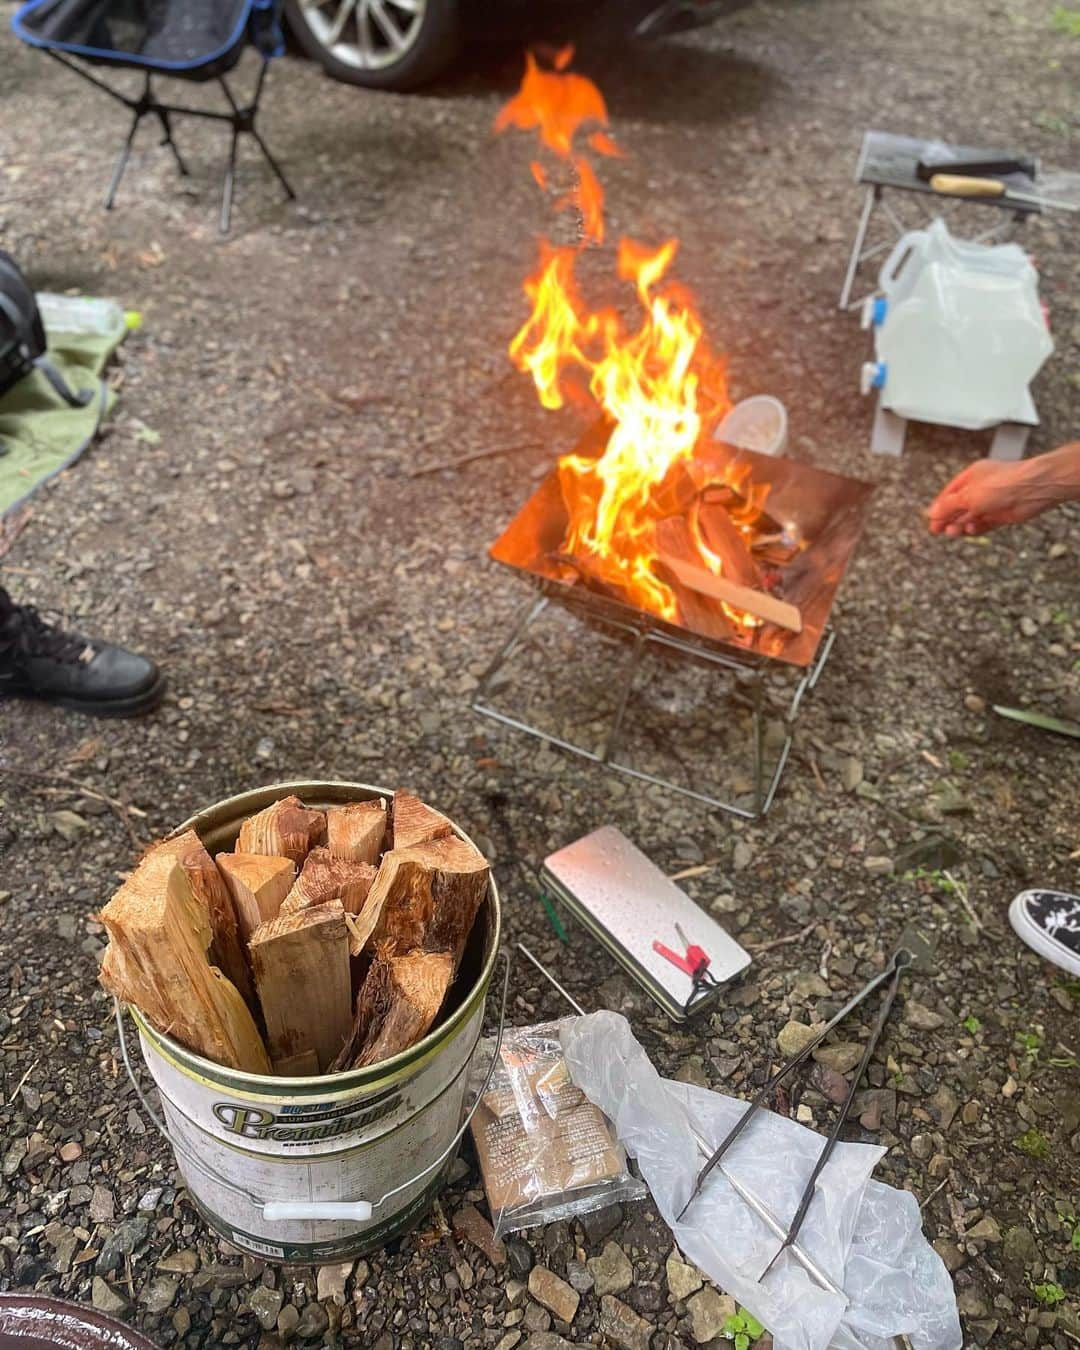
{"points": [[636, 633]]}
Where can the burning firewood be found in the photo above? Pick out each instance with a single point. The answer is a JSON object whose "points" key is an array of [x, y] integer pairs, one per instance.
{"points": [[301, 965], [425, 896], [723, 538], [324, 878], [679, 557], [413, 822], [286, 829], [355, 832], [159, 935], [258, 885], [226, 947], [759, 603], [398, 1001]]}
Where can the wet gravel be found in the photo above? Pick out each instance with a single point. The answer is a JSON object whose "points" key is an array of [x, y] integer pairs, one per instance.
{"points": [[251, 517]]}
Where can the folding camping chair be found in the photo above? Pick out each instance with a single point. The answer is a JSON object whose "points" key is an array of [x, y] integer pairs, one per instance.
{"points": [[196, 40]]}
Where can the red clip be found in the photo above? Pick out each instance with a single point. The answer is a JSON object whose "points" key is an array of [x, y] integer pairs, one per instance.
{"points": [[694, 963]]}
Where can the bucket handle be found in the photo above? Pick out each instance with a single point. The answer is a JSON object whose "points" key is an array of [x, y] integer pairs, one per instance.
{"points": [[278, 1210]]}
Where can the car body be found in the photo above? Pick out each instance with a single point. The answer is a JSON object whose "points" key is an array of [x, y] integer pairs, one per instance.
{"points": [[401, 44]]}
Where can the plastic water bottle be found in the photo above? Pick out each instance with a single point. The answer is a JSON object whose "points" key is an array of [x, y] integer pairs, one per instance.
{"points": [[80, 314]]}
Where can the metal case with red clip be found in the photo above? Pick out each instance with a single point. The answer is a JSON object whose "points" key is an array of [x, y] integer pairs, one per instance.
{"points": [[678, 954]]}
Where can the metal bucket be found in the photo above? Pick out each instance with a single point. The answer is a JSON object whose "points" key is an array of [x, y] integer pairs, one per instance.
{"points": [[320, 1169]]}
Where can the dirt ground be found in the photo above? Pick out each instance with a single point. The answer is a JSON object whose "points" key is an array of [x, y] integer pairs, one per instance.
{"points": [[253, 517]]}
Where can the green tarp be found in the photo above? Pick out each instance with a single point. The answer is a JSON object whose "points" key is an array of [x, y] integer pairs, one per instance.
{"points": [[40, 433]]}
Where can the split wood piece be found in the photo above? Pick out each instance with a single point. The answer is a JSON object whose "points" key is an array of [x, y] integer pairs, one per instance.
{"points": [[425, 896], [226, 948], [677, 553], [258, 885], [324, 878], [304, 1065], [355, 832], [397, 1004], [286, 829], [159, 934], [723, 537], [301, 966], [758, 603], [414, 822]]}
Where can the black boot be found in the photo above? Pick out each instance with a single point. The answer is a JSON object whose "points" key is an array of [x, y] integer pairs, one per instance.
{"points": [[39, 660]]}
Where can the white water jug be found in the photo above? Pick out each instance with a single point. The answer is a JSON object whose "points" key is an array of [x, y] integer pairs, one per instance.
{"points": [[961, 332]]}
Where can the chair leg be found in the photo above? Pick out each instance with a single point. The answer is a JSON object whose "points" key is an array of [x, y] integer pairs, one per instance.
{"points": [[166, 126], [230, 176], [121, 163], [278, 171]]}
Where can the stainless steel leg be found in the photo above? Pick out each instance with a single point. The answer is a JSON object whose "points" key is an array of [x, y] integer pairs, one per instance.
{"points": [[857, 247], [167, 139], [230, 178], [121, 162], [612, 742], [758, 732]]}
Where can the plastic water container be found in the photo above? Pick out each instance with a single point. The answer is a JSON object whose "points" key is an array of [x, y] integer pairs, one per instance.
{"points": [[918, 249], [80, 314], [759, 423], [962, 334]]}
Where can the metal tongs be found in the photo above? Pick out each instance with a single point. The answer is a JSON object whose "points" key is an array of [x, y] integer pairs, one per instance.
{"points": [[904, 956]]}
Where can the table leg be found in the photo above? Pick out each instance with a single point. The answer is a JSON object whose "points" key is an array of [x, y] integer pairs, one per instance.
{"points": [[857, 247]]}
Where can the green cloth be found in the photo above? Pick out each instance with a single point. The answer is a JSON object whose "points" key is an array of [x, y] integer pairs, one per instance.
{"points": [[41, 433]]}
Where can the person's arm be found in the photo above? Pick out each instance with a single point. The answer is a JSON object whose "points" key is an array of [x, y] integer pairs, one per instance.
{"points": [[991, 493]]}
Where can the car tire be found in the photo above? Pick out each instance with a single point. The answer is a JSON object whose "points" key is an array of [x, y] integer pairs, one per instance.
{"points": [[431, 31]]}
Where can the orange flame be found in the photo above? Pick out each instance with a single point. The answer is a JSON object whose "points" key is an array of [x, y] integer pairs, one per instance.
{"points": [[658, 385], [557, 104]]}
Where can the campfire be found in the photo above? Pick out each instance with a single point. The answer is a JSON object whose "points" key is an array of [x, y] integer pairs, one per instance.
{"points": [[649, 511]]}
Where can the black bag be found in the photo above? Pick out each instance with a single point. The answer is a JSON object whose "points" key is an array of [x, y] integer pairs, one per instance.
{"points": [[22, 336]]}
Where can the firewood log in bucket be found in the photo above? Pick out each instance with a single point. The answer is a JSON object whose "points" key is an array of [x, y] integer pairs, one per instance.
{"points": [[320, 1169]]}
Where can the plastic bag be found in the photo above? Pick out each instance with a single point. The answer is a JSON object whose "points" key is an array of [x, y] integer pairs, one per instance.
{"points": [[546, 1152], [864, 1237]]}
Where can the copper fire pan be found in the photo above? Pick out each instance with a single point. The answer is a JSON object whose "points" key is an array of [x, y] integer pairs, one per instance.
{"points": [[828, 509]]}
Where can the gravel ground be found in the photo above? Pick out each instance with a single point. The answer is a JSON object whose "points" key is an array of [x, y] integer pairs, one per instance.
{"points": [[251, 518]]}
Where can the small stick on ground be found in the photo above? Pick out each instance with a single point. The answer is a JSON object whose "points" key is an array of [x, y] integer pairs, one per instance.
{"points": [[782, 941], [960, 887], [489, 453], [120, 809], [10, 532], [934, 1192], [687, 872], [22, 1080]]}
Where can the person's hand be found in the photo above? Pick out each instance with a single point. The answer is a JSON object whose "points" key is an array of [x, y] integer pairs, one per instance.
{"points": [[988, 494]]}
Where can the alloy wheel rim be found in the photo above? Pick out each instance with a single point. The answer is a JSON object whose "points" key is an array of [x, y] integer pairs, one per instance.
{"points": [[366, 34]]}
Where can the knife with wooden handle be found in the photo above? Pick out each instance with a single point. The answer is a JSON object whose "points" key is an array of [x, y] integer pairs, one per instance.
{"points": [[955, 185]]}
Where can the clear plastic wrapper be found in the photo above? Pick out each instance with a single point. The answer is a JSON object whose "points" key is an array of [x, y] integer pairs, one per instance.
{"points": [[546, 1152], [865, 1238]]}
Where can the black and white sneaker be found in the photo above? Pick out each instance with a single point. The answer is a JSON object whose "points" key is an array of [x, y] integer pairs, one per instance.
{"points": [[1049, 922]]}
